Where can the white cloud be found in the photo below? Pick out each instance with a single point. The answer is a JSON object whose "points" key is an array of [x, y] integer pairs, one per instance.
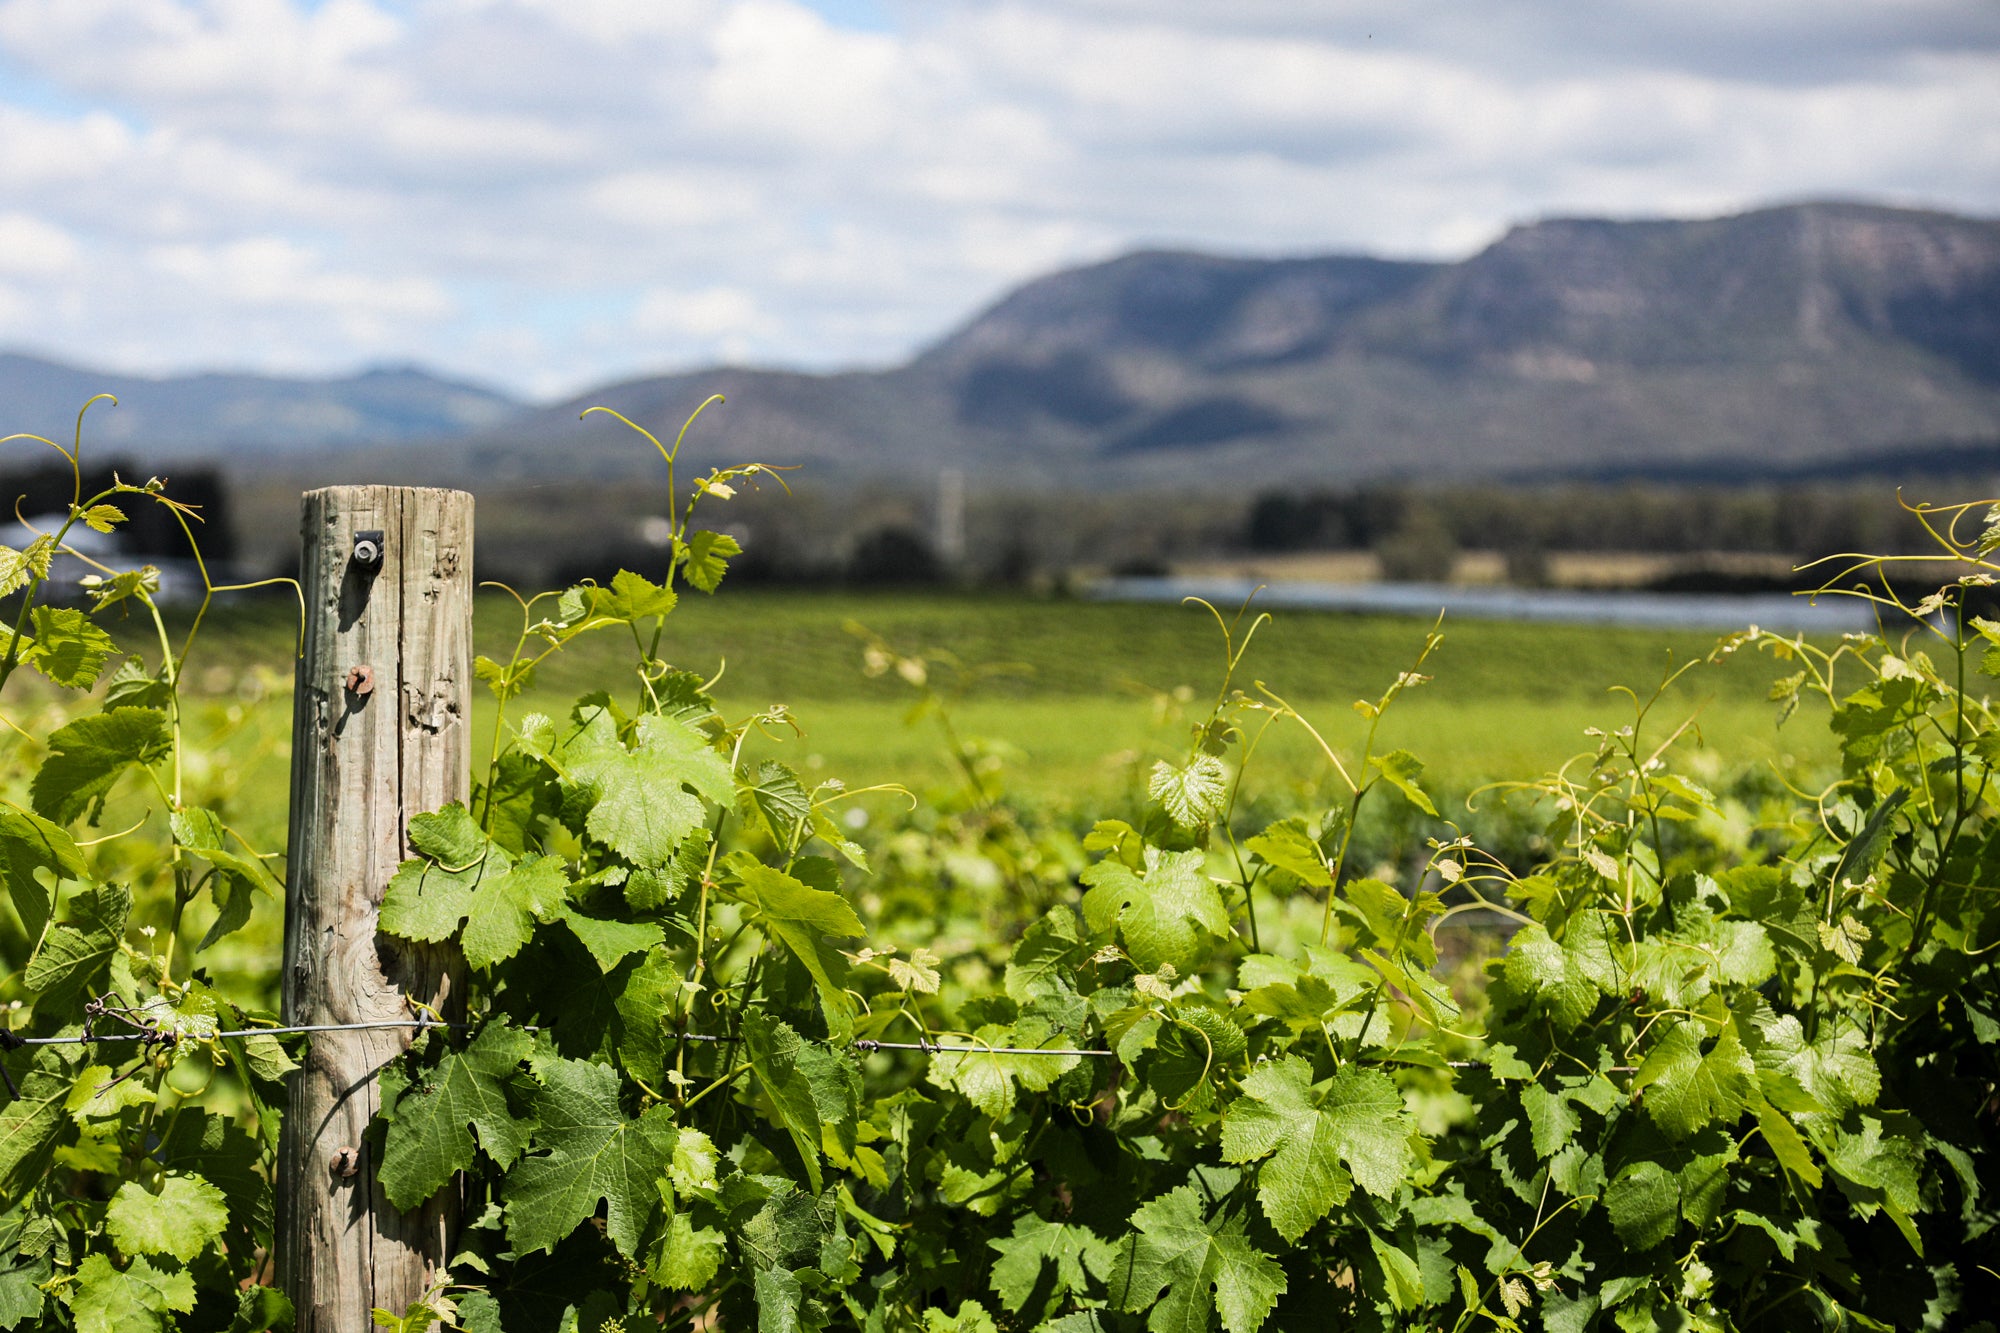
{"points": [[543, 192], [30, 247]]}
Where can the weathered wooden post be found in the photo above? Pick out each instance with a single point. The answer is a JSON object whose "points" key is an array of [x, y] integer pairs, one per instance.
{"points": [[380, 731]]}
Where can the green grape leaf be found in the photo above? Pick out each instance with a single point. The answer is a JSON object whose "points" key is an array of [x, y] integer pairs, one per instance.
{"points": [[16, 567], [1326, 1135], [101, 517], [203, 832], [587, 1151], [1187, 1270], [1645, 1204], [1786, 1144], [33, 1124], [1883, 1159], [1687, 1090], [69, 649], [34, 855], [988, 1080], [431, 1135], [970, 1317], [200, 1142], [649, 798], [21, 1297], [632, 597], [1289, 845], [802, 919], [705, 558], [649, 995], [75, 954], [1546, 974], [1192, 795], [1401, 769], [694, 1163], [262, 1309], [812, 1089], [689, 1256], [181, 1219], [1552, 1121], [1070, 1253], [779, 800], [104, 1300], [1400, 1274], [609, 941], [89, 755], [1165, 915], [1045, 959], [462, 876]]}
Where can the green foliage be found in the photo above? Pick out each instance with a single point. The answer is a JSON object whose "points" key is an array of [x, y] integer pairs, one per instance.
{"points": [[126, 1205], [1713, 1053]]}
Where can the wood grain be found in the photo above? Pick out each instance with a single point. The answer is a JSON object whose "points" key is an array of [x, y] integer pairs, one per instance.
{"points": [[362, 764]]}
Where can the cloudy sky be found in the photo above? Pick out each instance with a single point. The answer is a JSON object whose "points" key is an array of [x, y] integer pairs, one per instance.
{"points": [[544, 194]]}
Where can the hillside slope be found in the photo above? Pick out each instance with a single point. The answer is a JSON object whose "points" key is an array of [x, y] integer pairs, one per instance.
{"points": [[1800, 335], [258, 419]]}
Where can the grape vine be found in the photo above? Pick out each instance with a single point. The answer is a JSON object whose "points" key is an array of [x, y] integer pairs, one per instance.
{"points": [[1731, 1063]]}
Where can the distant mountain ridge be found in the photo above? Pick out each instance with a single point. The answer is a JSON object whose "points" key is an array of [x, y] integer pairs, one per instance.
{"points": [[1782, 341], [1788, 341], [225, 416]]}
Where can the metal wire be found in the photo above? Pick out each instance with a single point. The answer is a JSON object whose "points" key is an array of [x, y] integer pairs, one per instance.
{"points": [[8, 1041]]}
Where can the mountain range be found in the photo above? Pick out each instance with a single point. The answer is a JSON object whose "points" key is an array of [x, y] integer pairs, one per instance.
{"points": [[261, 420], [1808, 338]]}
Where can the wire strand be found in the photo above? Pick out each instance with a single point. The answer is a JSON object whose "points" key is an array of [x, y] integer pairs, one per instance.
{"points": [[8, 1041]]}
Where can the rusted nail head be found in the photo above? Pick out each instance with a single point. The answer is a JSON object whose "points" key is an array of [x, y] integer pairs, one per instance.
{"points": [[361, 680], [346, 1162]]}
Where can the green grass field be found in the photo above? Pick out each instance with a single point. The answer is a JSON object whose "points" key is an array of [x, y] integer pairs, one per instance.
{"points": [[1077, 692]]}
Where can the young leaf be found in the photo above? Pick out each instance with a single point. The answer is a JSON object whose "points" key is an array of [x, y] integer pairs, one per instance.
{"points": [[464, 877], [1289, 846], [1401, 769], [69, 649], [1165, 915], [650, 797], [705, 558], [181, 1219], [689, 1256], [477, 1089], [987, 1079], [594, 1153], [90, 754], [101, 517], [1193, 795]]}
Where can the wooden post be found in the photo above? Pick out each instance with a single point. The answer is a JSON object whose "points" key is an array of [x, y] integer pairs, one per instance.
{"points": [[380, 731]]}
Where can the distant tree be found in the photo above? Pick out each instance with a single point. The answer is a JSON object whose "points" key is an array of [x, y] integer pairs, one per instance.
{"points": [[894, 555]]}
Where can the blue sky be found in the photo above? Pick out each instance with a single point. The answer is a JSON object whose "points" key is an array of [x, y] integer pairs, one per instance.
{"points": [[547, 194]]}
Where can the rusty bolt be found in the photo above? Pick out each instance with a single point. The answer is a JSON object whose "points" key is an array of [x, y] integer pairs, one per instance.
{"points": [[346, 1162], [361, 681]]}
